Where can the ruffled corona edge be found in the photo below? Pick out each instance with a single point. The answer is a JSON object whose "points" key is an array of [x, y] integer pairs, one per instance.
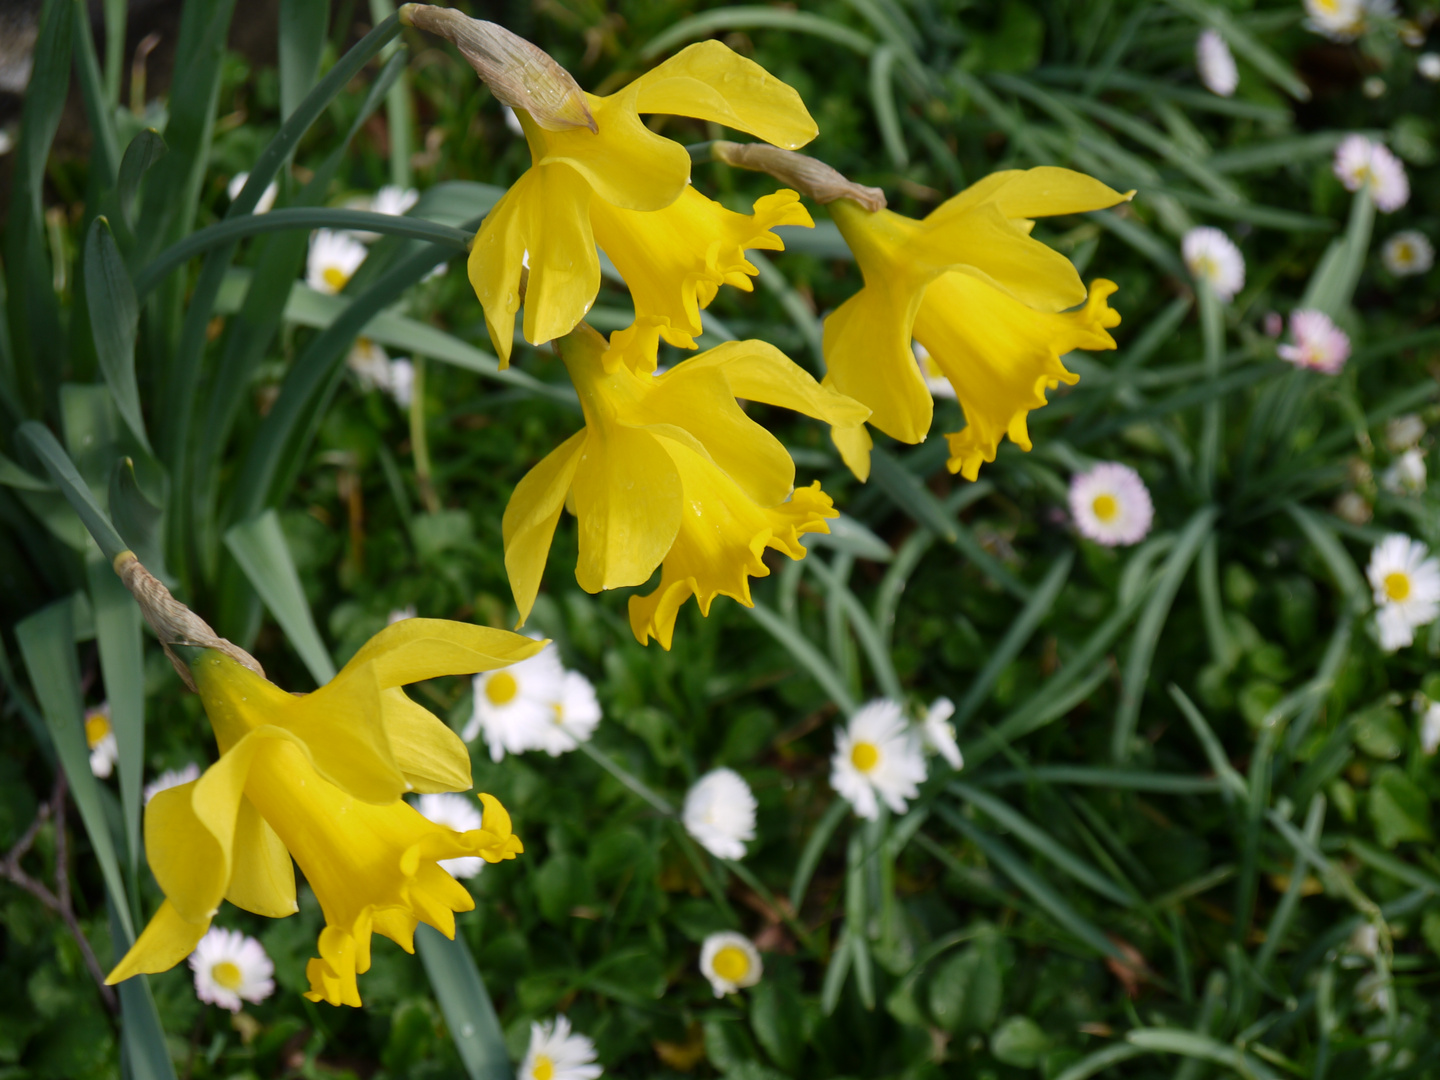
{"points": [[683, 575], [997, 393]]}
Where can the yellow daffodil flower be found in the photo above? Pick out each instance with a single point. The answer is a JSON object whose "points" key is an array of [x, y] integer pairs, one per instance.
{"points": [[669, 469], [989, 303], [544, 221], [675, 260], [319, 778]]}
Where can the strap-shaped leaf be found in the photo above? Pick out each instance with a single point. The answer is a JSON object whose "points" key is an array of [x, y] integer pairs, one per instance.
{"points": [[114, 318], [463, 999]]}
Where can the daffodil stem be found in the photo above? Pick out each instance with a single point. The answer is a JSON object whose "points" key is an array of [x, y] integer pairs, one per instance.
{"points": [[419, 443], [634, 783]]}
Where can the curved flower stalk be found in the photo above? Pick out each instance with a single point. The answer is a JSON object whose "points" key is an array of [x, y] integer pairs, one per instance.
{"points": [[988, 302], [669, 470], [319, 778], [582, 181]]}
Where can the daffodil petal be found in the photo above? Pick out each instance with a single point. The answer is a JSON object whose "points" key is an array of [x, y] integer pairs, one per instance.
{"points": [[625, 163], [166, 940], [190, 855], [869, 358], [674, 260], [497, 258], [627, 500], [854, 444], [530, 518], [1045, 191], [429, 753], [564, 269], [1001, 357], [701, 395], [709, 81], [413, 650], [262, 877]]}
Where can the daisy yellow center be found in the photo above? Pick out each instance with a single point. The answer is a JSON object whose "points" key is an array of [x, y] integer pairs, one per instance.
{"points": [[864, 756], [227, 974], [97, 726], [501, 688], [1397, 586], [544, 1068], [335, 277], [731, 963], [1106, 507], [559, 716], [1205, 267], [1404, 254]]}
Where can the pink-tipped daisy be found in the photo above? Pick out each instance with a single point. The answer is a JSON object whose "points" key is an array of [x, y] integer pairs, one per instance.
{"points": [[1319, 344], [230, 968], [1111, 505], [1215, 64], [1359, 161], [1212, 257]]}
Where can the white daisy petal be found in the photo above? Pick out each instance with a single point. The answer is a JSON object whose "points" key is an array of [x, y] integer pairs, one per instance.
{"points": [[1428, 65], [877, 756], [1403, 432], [230, 968], [267, 197], [1215, 64], [557, 1053], [939, 734], [1212, 257], [393, 200], [460, 813], [720, 813], [1430, 729], [171, 778], [1111, 505], [731, 962], [1319, 344], [935, 380], [533, 705]]}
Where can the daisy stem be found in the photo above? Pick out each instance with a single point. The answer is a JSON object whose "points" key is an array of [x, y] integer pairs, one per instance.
{"points": [[703, 870], [634, 783]]}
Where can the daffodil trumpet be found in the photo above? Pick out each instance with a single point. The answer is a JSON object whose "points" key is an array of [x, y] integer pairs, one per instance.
{"points": [[994, 308], [670, 472], [319, 778], [583, 179]]}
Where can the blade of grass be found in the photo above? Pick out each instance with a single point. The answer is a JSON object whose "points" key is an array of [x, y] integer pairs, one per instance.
{"points": [[122, 666], [77, 493], [882, 99], [114, 320], [746, 17], [1016, 636], [809, 657], [1148, 629], [301, 42], [813, 851], [1064, 860], [465, 1004]]}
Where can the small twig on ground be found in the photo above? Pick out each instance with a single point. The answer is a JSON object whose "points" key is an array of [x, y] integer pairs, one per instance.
{"points": [[58, 901]]}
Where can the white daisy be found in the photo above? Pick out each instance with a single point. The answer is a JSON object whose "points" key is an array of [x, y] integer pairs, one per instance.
{"points": [[1344, 20], [514, 703], [461, 814], [230, 967], [572, 718], [935, 380], [1430, 728], [1319, 345], [334, 257], [400, 615], [1428, 65], [877, 756], [1215, 64], [1407, 589], [1212, 257], [557, 1053], [730, 961], [512, 121], [1403, 432], [720, 813], [1353, 507], [1407, 475], [938, 733], [1359, 161], [1408, 253], [171, 778], [370, 363], [267, 197], [1111, 505], [100, 737]]}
